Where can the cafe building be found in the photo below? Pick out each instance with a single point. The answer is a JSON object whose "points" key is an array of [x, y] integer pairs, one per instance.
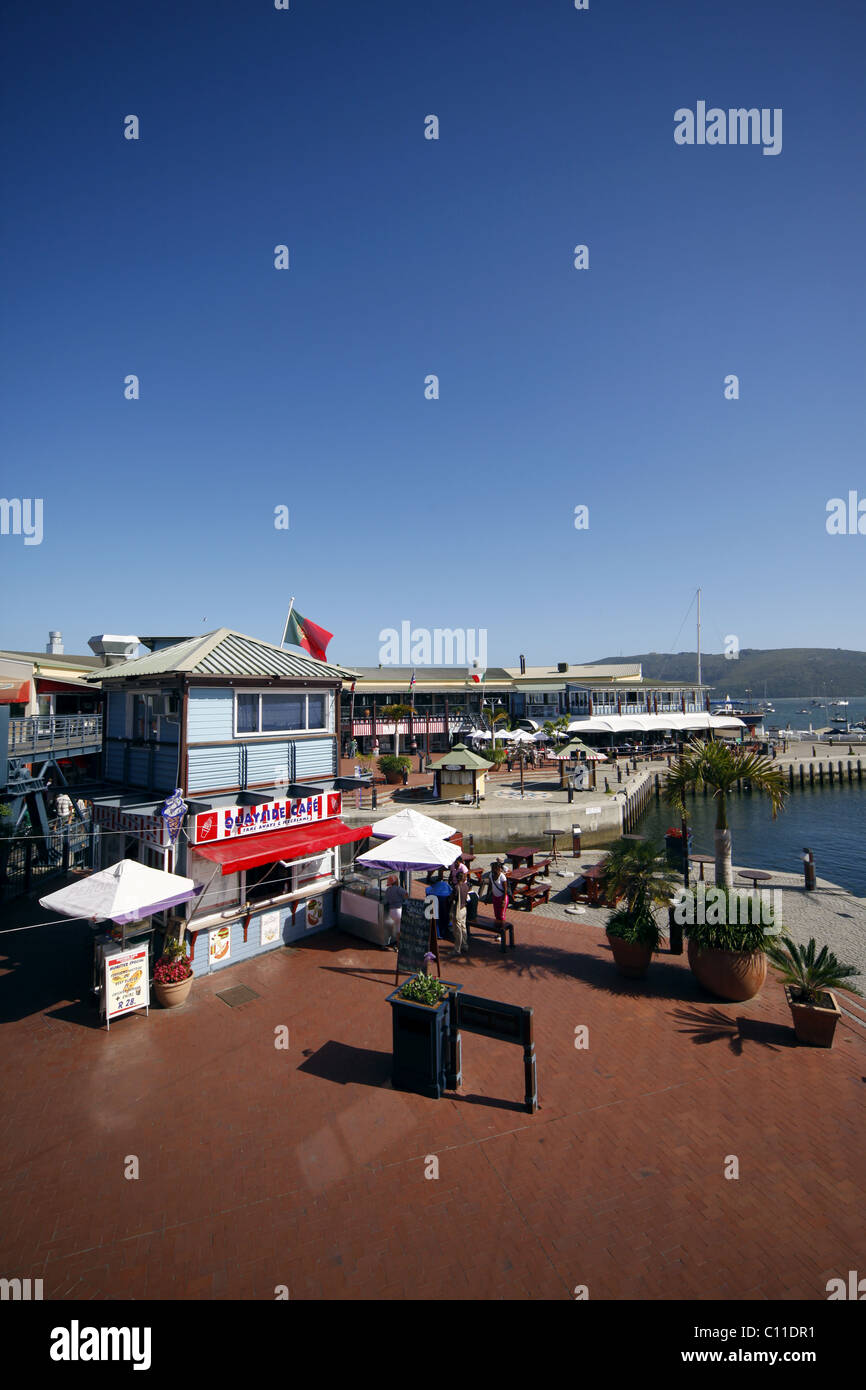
{"points": [[248, 732]]}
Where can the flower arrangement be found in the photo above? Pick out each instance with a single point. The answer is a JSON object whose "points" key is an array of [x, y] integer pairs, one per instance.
{"points": [[173, 965], [171, 970], [424, 989]]}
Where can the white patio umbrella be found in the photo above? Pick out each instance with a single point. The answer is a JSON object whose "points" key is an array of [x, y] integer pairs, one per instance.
{"points": [[410, 852], [521, 736], [125, 892], [482, 734], [541, 737], [506, 733], [409, 822]]}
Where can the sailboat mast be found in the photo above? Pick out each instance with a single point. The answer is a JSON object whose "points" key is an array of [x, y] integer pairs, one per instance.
{"points": [[699, 644]]}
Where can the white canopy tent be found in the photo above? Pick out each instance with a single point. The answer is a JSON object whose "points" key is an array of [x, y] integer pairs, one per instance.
{"points": [[651, 723], [410, 852], [125, 892], [410, 822]]}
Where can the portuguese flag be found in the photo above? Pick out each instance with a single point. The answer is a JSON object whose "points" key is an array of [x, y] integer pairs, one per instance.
{"points": [[301, 632]]}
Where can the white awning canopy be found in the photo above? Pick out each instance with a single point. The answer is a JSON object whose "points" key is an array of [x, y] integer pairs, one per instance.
{"points": [[411, 822], [648, 723], [124, 892]]}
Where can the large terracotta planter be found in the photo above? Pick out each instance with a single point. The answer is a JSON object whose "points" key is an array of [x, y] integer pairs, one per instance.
{"points": [[731, 975], [393, 778], [814, 1024], [631, 959], [171, 996]]}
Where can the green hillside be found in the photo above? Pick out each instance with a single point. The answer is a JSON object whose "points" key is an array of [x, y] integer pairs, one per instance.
{"points": [[786, 671]]}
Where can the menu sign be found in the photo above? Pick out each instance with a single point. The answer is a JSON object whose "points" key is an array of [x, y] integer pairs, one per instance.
{"points": [[127, 983], [417, 936], [233, 822]]}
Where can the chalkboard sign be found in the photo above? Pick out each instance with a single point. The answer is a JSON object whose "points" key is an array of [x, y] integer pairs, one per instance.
{"points": [[417, 937]]}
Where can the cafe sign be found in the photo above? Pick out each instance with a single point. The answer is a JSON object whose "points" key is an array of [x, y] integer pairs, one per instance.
{"points": [[234, 822]]}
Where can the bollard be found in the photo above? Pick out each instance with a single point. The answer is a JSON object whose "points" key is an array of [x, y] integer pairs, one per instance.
{"points": [[675, 933], [570, 794], [373, 799], [809, 869]]}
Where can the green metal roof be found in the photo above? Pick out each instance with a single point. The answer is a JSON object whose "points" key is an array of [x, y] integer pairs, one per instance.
{"points": [[224, 652], [465, 758]]}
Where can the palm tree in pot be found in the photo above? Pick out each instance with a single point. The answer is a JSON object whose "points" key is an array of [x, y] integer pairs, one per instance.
{"points": [[719, 768], [638, 872], [809, 977]]}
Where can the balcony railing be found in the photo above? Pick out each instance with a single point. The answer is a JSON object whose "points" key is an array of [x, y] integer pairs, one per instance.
{"points": [[57, 733]]}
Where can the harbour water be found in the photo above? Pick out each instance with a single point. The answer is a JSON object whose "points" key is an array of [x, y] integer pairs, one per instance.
{"points": [[790, 712], [831, 821]]}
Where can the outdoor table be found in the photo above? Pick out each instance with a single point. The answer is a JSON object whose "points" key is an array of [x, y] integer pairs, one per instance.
{"points": [[756, 875], [553, 834], [525, 852], [702, 859], [593, 886], [524, 875]]}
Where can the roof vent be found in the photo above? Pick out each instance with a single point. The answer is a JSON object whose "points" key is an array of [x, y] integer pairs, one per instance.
{"points": [[55, 644], [114, 649], [562, 665]]}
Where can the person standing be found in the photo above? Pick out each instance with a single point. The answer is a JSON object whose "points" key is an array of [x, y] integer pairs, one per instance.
{"points": [[63, 806], [441, 891], [459, 899], [499, 887], [395, 896]]}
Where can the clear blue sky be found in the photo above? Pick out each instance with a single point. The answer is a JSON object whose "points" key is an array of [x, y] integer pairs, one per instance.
{"points": [[306, 387]]}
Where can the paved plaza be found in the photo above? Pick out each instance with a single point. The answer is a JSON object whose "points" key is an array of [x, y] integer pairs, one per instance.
{"points": [[260, 1166]]}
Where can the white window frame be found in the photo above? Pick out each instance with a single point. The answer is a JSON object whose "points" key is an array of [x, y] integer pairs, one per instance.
{"points": [[327, 728]]}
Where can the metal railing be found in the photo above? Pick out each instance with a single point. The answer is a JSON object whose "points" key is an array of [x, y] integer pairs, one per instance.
{"points": [[50, 733]]}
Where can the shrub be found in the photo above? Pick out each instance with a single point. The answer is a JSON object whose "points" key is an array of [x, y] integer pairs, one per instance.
{"points": [[730, 932], [390, 762], [424, 989], [808, 974]]}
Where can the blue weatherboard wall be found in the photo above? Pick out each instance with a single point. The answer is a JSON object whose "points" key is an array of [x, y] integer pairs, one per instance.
{"points": [[242, 951], [210, 715]]}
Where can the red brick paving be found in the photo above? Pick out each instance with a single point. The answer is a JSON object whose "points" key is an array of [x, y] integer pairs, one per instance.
{"points": [[303, 1167]]}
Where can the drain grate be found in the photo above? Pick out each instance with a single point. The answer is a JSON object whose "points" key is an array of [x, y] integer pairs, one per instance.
{"points": [[237, 995]]}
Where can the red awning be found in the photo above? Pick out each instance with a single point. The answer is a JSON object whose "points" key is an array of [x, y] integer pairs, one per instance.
{"points": [[234, 855], [14, 692]]}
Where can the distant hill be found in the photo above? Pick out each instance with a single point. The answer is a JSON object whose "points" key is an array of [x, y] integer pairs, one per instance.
{"points": [[786, 671]]}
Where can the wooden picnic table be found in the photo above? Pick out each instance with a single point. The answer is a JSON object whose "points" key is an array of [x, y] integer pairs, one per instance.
{"points": [[525, 852], [593, 883]]}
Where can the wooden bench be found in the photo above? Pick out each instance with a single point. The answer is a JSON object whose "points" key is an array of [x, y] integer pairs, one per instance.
{"points": [[539, 894], [507, 928], [579, 889]]}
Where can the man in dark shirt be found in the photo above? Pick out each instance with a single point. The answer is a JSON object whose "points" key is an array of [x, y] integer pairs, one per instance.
{"points": [[440, 890]]}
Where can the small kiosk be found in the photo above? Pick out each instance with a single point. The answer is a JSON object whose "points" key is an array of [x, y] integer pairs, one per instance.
{"points": [[461, 775]]}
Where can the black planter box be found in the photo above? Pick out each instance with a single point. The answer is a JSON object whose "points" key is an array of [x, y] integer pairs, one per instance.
{"points": [[674, 849], [423, 1045]]}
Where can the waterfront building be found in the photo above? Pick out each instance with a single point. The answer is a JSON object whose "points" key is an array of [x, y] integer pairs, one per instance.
{"points": [[248, 732], [448, 702], [50, 728]]}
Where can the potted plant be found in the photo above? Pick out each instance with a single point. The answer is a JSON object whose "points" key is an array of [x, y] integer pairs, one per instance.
{"points": [[422, 1041], [638, 872], [727, 954], [172, 975], [393, 766], [809, 979], [674, 846]]}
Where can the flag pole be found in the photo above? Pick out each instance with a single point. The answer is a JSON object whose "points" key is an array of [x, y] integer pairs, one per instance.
{"points": [[288, 615]]}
